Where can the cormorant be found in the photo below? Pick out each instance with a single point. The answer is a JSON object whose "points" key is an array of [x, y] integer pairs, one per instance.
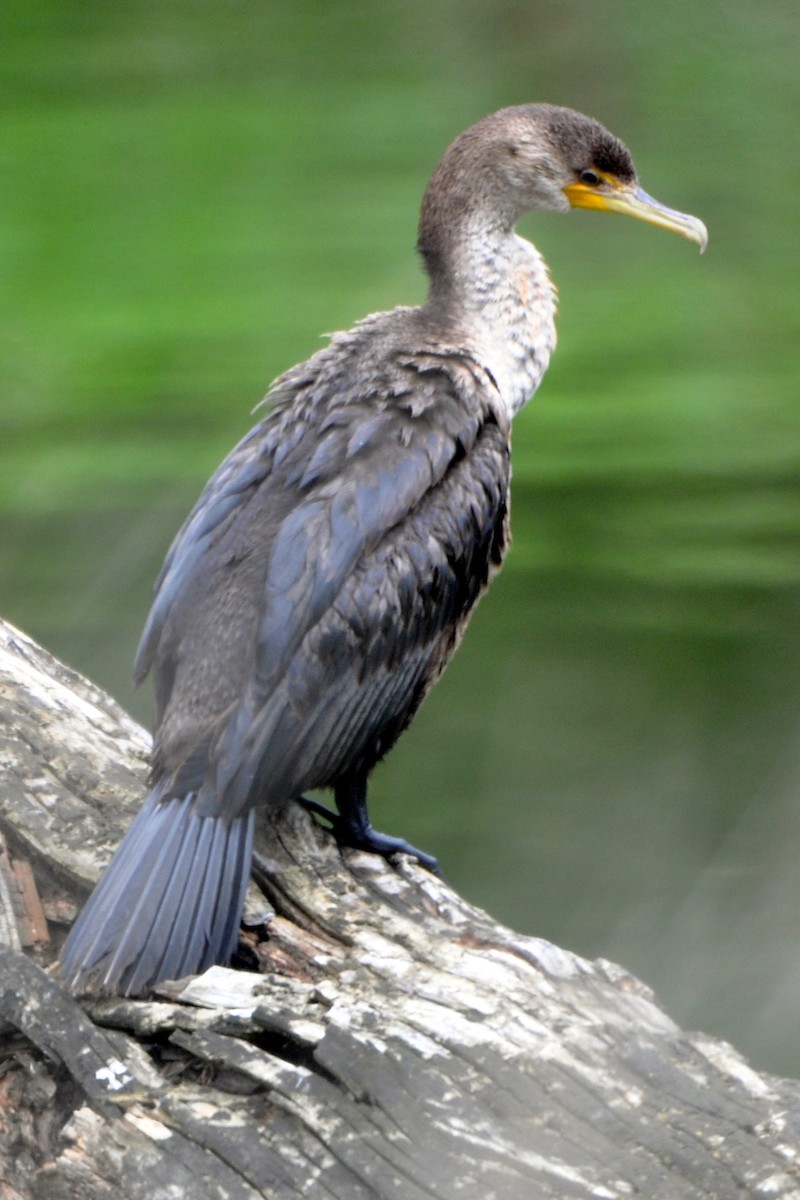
{"points": [[326, 574]]}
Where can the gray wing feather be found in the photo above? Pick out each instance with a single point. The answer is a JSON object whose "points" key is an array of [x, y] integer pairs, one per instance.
{"points": [[226, 492], [310, 597], [383, 628]]}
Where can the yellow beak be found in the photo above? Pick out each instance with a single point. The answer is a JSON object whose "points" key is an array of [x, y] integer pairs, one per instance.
{"points": [[629, 199]]}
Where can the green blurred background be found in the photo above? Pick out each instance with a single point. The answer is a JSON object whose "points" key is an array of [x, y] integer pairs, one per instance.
{"points": [[192, 192]]}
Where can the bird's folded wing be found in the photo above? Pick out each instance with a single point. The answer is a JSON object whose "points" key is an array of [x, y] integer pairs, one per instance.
{"points": [[371, 521], [364, 602], [224, 497]]}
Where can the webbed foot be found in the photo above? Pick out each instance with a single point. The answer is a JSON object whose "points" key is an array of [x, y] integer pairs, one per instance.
{"points": [[352, 828]]}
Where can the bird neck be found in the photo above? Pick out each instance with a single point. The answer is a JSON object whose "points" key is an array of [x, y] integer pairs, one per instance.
{"points": [[491, 288]]}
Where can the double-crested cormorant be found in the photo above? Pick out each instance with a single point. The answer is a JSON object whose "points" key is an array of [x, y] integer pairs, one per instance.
{"points": [[327, 572]]}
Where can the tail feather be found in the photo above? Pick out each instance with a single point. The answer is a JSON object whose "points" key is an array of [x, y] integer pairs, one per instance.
{"points": [[151, 922], [160, 915], [101, 924], [169, 903], [237, 867], [193, 942]]}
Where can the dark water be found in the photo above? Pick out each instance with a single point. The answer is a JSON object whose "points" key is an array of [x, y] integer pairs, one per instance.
{"points": [[192, 193]]}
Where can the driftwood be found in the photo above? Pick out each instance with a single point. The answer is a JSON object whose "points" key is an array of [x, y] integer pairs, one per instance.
{"points": [[383, 1039]]}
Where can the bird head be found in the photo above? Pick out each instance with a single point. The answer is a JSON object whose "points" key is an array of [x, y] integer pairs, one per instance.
{"points": [[540, 156], [593, 169]]}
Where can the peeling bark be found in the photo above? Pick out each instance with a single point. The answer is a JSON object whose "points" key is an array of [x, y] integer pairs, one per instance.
{"points": [[388, 1041]]}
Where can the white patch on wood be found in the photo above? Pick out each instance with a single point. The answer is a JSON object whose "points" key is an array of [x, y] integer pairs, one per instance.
{"points": [[114, 1075], [149, 1126], [776, 1185], [729, 1062]]}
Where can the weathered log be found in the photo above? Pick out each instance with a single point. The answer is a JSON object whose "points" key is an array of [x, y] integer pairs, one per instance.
{"points": [[387, 1041]]}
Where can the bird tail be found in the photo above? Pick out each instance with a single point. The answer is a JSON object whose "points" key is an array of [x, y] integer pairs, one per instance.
{"points": [[169, 903]]}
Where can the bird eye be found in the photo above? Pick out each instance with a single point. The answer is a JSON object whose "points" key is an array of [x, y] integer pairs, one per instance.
{"points": [[590, 177]]}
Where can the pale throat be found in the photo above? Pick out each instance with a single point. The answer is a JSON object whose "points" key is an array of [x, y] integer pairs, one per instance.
{"points": [[507, 306]]}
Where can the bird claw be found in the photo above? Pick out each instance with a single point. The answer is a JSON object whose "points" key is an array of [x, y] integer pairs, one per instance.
{"points": [[364, 837]]}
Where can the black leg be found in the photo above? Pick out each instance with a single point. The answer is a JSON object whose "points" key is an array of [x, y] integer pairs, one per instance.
{"points": [[351, 825]]}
